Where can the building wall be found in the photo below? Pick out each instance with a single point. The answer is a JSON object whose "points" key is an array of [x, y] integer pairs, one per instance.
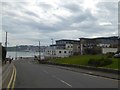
{"points": [[76, 48], [63, 53], [104, 45], [58, 52], [107, 50], [69, 46]]}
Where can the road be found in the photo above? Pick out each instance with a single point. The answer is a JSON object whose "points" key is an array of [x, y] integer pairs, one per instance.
{"points": [[33, 75]]}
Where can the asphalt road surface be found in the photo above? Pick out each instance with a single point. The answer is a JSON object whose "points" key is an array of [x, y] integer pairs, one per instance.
{"points": [[33, 75]]}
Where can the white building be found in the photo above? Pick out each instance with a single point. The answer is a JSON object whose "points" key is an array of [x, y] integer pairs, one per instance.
{"points": [[108, 50], [53, 51], [63, 48]]}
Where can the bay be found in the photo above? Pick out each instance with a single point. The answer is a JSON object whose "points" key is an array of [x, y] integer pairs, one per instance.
{"points": [[21, 54]]}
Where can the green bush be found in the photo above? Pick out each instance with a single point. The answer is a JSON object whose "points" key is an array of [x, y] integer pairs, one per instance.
{"points": [[110, 55], [99, 62]]}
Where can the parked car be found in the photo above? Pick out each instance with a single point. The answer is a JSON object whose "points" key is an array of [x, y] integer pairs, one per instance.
{"points": [[117, 55]]}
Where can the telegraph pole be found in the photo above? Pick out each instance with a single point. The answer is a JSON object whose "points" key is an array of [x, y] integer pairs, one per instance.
{"points": [[52, 46], [16, 53], [39, 50], [6, 42], [119, 44]]}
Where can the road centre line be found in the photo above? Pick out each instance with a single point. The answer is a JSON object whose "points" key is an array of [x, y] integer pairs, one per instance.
{"points": [[90, 72], [66, 83], [45, 71], [59, 79], [62, 81]]}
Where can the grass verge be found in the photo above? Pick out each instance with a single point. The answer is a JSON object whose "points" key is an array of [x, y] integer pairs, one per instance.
{"points": [[83, 60]]}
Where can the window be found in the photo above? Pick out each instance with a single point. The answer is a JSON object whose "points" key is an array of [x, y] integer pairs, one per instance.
{"points": [[68, 46], [64, 51], [59, 51]]}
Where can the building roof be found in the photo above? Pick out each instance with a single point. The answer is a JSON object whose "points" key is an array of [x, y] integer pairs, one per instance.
{"points": [[112, 37], [68, 40]]}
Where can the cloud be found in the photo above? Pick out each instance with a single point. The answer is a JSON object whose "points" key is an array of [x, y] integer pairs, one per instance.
{"points": [[28, 22], [74, 8]]}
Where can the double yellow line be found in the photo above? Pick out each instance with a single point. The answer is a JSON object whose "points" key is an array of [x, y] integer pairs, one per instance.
{"points": [[11, 83]]}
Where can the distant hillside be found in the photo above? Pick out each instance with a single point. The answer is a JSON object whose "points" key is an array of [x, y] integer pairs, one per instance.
{"points": [[26, 48]]}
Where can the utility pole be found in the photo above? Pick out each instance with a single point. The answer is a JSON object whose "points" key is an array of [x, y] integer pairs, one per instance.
{"points": [[52, 46], [39, 50], [119, 44], [16, 53], [6, 42]]}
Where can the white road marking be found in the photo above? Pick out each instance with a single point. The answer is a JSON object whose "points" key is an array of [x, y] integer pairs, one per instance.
{"points": [[90, 72], [62, 81], [66, 83], [29, 62], [59, 79], [45, 71]]}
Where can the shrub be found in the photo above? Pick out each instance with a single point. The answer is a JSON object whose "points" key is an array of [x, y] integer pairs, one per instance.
{"points": [[110, 55], [99, 62]]}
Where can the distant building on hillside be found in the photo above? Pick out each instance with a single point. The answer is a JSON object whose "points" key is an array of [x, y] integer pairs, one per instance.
{"points": [[74, 45], [101, 42], [63, 48]]}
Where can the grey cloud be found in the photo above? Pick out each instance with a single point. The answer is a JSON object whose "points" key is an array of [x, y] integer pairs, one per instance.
{"points": [[74, 8], [83, 17], [85, 23], [31, 14], [44, 5], [112, 6]]}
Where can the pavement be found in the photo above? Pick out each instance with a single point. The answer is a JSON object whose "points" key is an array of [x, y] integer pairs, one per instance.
{"points": [[6, 71], [0, 75], [33, 75]]}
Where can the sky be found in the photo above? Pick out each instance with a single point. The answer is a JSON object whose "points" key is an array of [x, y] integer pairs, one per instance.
{"points": [[28, 22]]}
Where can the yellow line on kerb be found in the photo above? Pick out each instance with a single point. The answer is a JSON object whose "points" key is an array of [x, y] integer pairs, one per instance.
{"points": [[13, 78]]}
